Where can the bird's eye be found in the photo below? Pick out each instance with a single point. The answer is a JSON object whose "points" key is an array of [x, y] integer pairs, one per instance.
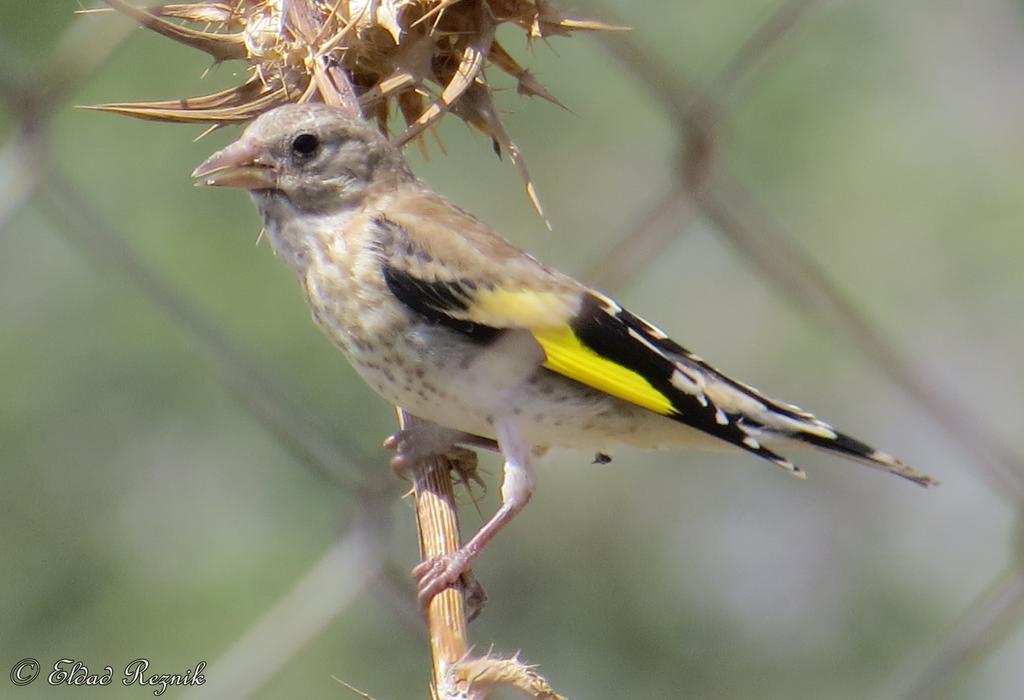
{"points": [[305, 145]]}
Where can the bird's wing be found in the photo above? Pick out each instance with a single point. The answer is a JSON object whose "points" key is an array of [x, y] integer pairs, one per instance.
{"points": [[479, 285]]}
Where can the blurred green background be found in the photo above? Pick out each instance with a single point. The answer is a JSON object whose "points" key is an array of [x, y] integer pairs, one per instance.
{"points": [[144, 511]]}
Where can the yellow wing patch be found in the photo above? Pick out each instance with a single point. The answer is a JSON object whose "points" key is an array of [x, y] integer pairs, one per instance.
{"points": [[569, 357], [545, 315], [522, 308]]}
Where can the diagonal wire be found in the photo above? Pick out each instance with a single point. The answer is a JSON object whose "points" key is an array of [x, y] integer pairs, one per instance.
{"points": [[330, 587], [34, 96], [25, 164], [976, 634], [788, 268], [302, 432], [999, 610], [697, 111], [18, 183], [757, 50], [82, 49], [628, 255], [755, 237], [684, 97]]}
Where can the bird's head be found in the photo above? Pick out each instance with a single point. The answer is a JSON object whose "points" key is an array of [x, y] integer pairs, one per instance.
{"points": [[319, 158]]}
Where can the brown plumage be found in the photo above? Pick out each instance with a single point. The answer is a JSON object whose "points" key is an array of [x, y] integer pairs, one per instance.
{"points": [[447, 319]]}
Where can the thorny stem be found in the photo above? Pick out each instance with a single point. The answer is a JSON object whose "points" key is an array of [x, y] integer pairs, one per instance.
{"points": [[456, 674], [438, 524]]}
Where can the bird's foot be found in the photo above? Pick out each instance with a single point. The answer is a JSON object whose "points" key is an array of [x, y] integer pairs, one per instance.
{"points": [[414, 445], [437, 573]]}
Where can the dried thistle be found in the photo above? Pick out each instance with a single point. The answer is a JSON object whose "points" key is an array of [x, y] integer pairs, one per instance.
{"points": [[421, 58]]}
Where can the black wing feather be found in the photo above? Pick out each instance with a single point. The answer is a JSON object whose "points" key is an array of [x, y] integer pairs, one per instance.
{"points": [[606, 330], [432, 301]]}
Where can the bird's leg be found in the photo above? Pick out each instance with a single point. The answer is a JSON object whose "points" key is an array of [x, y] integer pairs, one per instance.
{"points": [[434, 575]]}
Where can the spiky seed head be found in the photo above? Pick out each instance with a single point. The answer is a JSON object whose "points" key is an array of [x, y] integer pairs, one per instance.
{"points": [[422, 58]]}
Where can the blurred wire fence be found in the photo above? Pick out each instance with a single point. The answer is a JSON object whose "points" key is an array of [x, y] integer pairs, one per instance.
{"points": [[30, 177]]}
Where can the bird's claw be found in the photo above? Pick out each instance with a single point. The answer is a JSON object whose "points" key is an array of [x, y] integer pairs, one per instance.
{"points": [[438, 573], [402, 443], [412, 447], [435, 574]]}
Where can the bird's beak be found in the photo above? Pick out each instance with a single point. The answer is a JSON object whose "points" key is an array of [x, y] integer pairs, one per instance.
{"points": [[239, 165]]}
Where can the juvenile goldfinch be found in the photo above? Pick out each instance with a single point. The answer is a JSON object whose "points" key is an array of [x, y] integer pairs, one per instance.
{"points": [[448, 320]]}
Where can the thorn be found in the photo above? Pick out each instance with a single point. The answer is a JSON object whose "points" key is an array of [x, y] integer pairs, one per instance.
{"points": [[206, 132]]}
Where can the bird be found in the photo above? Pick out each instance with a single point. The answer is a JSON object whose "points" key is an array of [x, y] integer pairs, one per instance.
{"points": [[448, 320]]}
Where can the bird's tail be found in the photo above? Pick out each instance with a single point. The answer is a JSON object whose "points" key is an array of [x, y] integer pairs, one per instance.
{"points": [[852, 448], [778, 422]]}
